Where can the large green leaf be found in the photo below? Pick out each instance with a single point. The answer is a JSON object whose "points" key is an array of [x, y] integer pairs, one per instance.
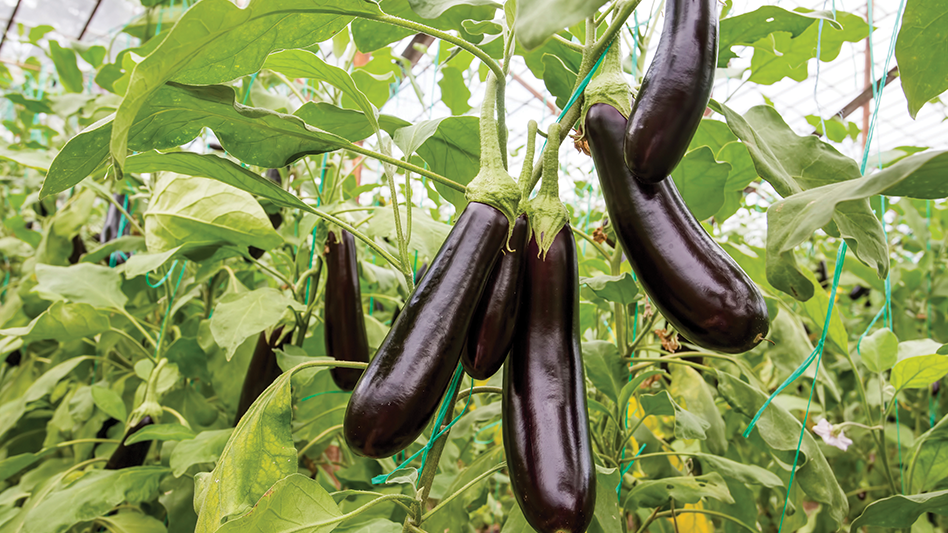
{"points": [[929, 463], [175, 114], [294, 503], [700, 180], [96, 285], [608, 517], [216, 41], [12, 410], [260, 452], [815, 308], [198, 213], [238, 316], [923, 66], [621, 289], [694, 394], [780, 430], [902, 511], [427, 234], [452, 150], [454, 91], [919, 371], [67, 68], [687, 425], [538, 20], [558, 78], [93, 494], [658, 492], [879, 351], [749, 28], [604, 367], [206, 447], [791, 164], [38, 159], [370, 35], [132, 522], [63, 322], [349, 124]]}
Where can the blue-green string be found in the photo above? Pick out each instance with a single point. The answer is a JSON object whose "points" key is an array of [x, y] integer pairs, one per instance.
{"points": [[164, 321], [483, 429], [445, 406], [113, 257], [325, 392], [163, 279], [623, 471], [312, 250]]}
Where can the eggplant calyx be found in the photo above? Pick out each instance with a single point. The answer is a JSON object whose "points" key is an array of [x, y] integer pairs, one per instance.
{"points": [[610, 86], [150, 405], [493, 185], [546, 212]]}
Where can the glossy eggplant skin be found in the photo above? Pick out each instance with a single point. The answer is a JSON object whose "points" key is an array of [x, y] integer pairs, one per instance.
{"points": [[403, 384], [694, 283], [263, 371], [345, 335], [492, 327], [675, 90], [546, 429], [132, 455]]}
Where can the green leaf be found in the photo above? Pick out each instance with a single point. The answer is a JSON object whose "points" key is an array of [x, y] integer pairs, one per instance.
{"points": [[621, 289], [125, 243], [694, 394], [66, 67], [604, 367], [260, 452], [143, 263], [608, 517], [749, 28], [629, 388], [879, 351], [919, 371], [902, 511], [37, 159], [132, 522], [780, 430], [687, 425], [659, 492], [744, 473], [349, 124], [923, 71], [713, 134], [558, 78], [929, 463], [454, 91], [201, 213], [516, 522], [305, 64], [63, 322], [93, 494], [109, 402], [449, 515], [294, 503], [453, 150], [235, 45], [538, 20], [791, 164], [701, 180], [206, 447], [96, 285], [432, 9], [238, 316], [816, 307], [160, 432], [742, 166]]}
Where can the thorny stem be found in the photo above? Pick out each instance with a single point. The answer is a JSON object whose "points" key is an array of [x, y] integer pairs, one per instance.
{"points": [[405, 165]]}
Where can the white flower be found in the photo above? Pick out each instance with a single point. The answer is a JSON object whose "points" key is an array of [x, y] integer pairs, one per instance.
{"points": [[833, 437]]}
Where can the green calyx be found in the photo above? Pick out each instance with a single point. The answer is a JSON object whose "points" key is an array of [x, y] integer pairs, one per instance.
{"points": [[493, 185], [610, 86], [150, 405], [526, 173], [546, 212]]}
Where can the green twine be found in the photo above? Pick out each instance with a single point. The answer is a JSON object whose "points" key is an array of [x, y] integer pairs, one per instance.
{"points": [[312, 250], [163, 279], [445, 406], [325, 392], [249, 86], [113, 257], [483, 429], [164, 320], [628, 466]]}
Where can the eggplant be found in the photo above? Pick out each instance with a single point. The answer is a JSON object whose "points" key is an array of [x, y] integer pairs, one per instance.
{"points": [[695, 284], [131, 455], [492, 327], [403, 384], [675, 90], [545, 425], [345, 335], [112, 225], [263, 371]]}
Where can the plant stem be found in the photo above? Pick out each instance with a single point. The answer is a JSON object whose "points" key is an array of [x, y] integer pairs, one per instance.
{"points": [[407, 166], [599, 248], [566, 42], [461, 490], [649, 361], [478, 390], [139, 327], [317, 438], [280, 277], [431, 464], [128, 217], [648, 521], [615, 263], [289, 84]]}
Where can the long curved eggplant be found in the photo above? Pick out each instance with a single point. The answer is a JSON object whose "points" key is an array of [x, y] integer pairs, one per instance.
{"points": [[546, 428], [131, 455], [263, 371], [402, 386], [693, 282], [345, 337], [492, 327], [675, 91]]}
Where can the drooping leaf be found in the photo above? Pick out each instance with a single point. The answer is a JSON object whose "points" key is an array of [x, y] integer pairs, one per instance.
{"points": [[879, 351], [294, 503], [658, 492], [66, 67], [608, 517], [349, 124], [454, 91], [537, 20], [236, 44], [923, 71], [749, 28], [687, 425], [901, 511], [260, 452], [621, 289], [701, 180], [196, 213], [558, 78], [96, 285], [63, 322], [694, 394], [242, 315]]}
